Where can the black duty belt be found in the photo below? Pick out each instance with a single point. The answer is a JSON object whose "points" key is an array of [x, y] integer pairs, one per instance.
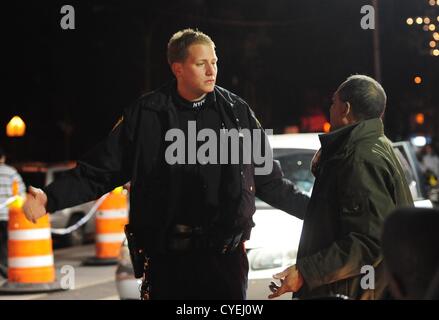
{"points": [[184, 238]]}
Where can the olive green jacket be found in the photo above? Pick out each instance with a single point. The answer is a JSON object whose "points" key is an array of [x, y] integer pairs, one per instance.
{"points": [[359, 181]]}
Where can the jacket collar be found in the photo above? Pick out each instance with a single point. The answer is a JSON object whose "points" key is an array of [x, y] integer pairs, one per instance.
{"points": [[161, 99], [344, 138], [209, 99]]}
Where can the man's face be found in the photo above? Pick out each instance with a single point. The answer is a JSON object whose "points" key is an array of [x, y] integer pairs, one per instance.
{"points": [[197, 74], [337, 112]]}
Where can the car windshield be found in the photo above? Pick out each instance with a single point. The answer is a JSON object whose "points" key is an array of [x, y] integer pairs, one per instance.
{"points": [[408, 172], [295, 164]]}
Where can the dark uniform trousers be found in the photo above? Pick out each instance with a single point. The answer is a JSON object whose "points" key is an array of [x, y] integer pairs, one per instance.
{"points": [[199, 275]]}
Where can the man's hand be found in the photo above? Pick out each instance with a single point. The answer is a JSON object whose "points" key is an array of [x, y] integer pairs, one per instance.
{"points": [[35, 205], [291, 281]]}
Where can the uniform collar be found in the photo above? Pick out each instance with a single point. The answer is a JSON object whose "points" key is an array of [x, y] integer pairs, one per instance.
{"points": [[208, 101]]}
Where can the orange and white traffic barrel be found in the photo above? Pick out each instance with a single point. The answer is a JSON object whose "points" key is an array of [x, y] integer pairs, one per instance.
{"points": [[111, 218], [30, 254]]}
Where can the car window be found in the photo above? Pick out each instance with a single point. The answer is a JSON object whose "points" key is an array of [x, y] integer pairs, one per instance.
{"points": [[408, 171], [296, 164]]}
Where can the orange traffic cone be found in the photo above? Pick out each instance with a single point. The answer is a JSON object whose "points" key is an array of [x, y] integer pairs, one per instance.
{"points": [[30, 255], [111, 217]]}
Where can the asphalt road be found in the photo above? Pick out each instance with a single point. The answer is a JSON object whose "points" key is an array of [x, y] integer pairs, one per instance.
{"points": [[98, 282]]}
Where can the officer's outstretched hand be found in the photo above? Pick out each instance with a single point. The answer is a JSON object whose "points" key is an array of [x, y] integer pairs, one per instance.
{"points": [[291, 281], [35, 204]]}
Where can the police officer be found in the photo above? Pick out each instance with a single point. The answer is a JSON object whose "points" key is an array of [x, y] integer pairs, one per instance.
{"points": [[189, 219]]}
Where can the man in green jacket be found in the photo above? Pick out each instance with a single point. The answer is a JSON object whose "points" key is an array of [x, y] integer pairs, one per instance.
{"points": [[359, 181]]}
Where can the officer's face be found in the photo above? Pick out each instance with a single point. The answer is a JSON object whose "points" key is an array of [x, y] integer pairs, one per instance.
{"points": [[196, 76]]}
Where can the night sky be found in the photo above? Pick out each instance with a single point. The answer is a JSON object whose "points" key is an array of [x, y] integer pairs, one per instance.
{"points": [[283, 57]]}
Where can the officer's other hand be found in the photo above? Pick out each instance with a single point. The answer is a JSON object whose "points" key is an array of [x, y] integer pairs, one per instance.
{"points": [[35, 204], [291, 281]]}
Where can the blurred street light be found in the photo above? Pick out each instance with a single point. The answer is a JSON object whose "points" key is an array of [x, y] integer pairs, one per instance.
{"points": [[15, 127], [428, 22], [419, 141], [419, 118]]}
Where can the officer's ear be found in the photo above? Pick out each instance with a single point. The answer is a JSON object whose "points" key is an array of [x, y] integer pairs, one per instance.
{"points": [[177, 69]]}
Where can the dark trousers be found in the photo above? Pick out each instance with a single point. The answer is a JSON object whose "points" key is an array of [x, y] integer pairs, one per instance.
{"points": [[199, 276], [3, 244]]}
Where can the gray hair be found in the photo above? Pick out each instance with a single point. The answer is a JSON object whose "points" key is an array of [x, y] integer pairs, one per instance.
{"points": [[365, 95]]}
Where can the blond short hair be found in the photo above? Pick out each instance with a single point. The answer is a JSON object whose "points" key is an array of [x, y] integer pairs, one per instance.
{"points": [[182, 40]]}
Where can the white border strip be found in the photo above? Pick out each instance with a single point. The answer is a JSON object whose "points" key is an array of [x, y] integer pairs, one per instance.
{"points": [[110, 237], [32, 234], [31, 262], [112, 214]]}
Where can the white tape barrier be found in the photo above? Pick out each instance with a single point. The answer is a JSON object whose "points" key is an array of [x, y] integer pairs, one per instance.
{"points": [[82, 221], [77, 225], [8, 202]]}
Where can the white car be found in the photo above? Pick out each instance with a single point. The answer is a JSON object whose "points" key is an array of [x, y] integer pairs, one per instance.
{"points": [[275, 238]]}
